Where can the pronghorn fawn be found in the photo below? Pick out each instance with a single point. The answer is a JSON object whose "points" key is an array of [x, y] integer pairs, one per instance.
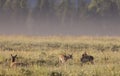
{"points": [[87, 58], [14, 63], [63, 58]]}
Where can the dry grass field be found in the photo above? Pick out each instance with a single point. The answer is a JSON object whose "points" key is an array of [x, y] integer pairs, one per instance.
{"points": [[40, 54]]}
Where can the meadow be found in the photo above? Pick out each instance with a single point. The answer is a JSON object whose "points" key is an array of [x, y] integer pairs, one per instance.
{"points": [[41, 55]]}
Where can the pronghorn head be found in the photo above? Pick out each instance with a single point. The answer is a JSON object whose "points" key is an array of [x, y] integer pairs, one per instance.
{"points": [[13, 57], [70, 56], [84, 54], [15, 63]]}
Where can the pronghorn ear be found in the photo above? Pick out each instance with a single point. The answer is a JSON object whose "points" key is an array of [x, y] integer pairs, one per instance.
{"points": [[16, 55]]}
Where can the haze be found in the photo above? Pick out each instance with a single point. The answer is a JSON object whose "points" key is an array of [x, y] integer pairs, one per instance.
{"points": [[45, 22]]}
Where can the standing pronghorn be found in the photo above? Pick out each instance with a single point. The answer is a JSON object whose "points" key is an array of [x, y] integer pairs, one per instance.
{"points": [[87, 58], [14, 63], [63, 58]]}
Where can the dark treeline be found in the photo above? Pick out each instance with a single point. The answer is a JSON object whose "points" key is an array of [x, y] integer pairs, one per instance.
{"points": [[57, 11], [61, 9]]}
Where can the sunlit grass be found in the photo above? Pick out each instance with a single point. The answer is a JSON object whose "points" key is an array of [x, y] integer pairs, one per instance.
{"points": [[41, 55]]}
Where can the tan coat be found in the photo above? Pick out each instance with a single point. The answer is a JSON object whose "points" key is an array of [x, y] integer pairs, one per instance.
{"points": [[64, 58]]}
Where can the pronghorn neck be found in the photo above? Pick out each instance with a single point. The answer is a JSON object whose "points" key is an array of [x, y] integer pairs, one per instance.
{"points": [[13, 58]]}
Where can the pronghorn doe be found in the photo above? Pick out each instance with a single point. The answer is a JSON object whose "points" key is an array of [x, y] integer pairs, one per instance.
{"points": [[63, 58], [14, 63], [87, 58]]}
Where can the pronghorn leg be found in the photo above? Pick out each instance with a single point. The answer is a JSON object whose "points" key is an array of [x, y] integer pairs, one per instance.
{"points": [[92, 62], [81, 64]]}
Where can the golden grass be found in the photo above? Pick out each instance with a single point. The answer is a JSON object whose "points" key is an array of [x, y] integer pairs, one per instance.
{"points": [[41, 55]]}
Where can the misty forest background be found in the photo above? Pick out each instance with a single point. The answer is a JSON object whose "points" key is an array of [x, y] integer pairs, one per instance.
{"points": [[44, 16]]}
